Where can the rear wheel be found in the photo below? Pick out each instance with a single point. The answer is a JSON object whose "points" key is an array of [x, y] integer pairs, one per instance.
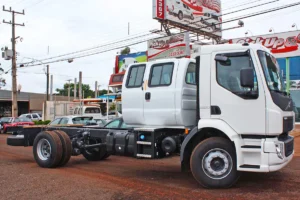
{"points": [[213, 163], [47, 149], [67, 147]]}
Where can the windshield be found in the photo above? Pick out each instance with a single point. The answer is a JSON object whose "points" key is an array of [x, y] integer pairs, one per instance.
{"points": [[81, 120], [22, 120], [271, 71], [5, 119]]}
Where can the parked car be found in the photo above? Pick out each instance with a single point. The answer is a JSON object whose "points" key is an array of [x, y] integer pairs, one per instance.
{"points": [[19, 121], [87, 121], [117, 123], [101, 122], [88, 110], [5, 120], [32, 116]]}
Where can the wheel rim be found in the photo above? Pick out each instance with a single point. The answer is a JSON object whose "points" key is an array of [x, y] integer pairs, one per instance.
{"points": [[217, 163], [44, 149]]}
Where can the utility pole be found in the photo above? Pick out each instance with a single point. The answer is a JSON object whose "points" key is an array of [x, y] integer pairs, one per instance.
{"points": [[69, 89], [96, 89], [51, 88], [80, 85], [75, 88], [47, 84], [14, 64]]}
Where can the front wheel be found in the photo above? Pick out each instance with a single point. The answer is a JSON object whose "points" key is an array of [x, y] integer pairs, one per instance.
{"points": [[213, 163]]}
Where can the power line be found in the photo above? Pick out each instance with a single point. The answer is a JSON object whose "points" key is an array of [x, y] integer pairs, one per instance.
{"points": [[92, 48]]}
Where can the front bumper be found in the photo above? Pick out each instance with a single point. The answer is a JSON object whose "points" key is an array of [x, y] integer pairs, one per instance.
{"points": [[266, 154]]}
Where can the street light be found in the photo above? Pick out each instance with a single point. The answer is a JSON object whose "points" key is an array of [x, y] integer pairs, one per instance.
{"points": [[295, 25]]}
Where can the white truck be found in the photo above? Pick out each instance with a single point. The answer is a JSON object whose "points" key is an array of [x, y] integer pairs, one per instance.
{"points": [[225, 111]]}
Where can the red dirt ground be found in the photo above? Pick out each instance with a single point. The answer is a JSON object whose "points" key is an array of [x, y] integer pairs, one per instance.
{"points": [[130, 178]]}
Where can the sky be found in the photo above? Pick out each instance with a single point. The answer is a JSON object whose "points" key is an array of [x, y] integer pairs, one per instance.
{"points": [[71, 25]]}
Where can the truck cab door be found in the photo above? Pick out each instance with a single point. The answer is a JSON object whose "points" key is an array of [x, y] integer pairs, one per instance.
{"points": [[133, 95], [240, 107], [159, 94]]}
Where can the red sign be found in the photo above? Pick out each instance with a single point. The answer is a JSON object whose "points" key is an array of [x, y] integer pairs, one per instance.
{"points": [[281, 44], [160, 9]]}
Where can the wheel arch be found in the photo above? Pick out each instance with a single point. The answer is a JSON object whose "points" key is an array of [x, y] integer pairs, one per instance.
{"points": [[206, 129]]}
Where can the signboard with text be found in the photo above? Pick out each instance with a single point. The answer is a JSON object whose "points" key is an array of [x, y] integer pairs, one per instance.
{"points": [[169, 47], [205, 15], [282, 45]]}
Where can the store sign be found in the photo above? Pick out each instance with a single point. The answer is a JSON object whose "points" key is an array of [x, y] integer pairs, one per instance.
{"points": [[204, 15], [169, 47], [282, 45], [123, 61]]}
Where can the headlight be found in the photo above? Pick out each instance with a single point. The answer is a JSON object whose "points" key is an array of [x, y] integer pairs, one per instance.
{"points": [[279, 150]]}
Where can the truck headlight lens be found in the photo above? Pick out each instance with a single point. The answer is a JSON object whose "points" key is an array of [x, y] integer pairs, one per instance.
{"points": [[279, 150]]}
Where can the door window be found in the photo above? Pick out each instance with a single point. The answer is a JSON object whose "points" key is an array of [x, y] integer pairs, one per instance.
{"points": [[190, 77], [161, 75], [28, 116], [64, 121], [35, 116], [228, 73], [135, 76], [113, 124], [55, 122]]}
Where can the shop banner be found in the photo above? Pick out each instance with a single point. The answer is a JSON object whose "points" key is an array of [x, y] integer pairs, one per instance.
{"points": [[174, 46], [282, 45]]}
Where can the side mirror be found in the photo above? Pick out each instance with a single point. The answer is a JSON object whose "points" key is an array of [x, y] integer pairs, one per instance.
{"points": [[247, 78]]}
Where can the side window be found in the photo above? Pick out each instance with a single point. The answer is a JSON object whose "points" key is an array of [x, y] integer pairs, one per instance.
{"points": [[135, 76], [161, 75], [64, 121], [228, 73], [35, 116], [28, 116], [55, 122], [190, 77], [113, 124]]}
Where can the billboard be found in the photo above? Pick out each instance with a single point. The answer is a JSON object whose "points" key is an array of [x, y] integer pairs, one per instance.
{"points": [[282, 45], [169, 47], [198, 14], [122, 61]]}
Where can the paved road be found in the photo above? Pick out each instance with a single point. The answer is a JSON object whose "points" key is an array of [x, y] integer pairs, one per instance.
{"points": [[129, 178]]}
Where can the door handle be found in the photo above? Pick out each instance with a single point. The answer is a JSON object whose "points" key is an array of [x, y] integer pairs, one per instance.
{"points": [[147, 95]]}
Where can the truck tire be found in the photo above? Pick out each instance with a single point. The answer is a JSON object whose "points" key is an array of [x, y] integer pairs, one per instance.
{"points": [[96, 154], [213, 163], [67, 147], [47, 149]]}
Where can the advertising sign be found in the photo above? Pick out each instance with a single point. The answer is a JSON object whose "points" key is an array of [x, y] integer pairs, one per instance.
{"points": [[200, 14], [122, 61], [169, 47], [282, 45]]}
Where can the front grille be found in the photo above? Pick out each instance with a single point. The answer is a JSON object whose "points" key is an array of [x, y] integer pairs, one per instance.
{"points": [[288, 124]]}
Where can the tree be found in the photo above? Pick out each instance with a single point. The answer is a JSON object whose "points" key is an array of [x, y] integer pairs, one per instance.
{"points": [[125, 51], [85, 88]]}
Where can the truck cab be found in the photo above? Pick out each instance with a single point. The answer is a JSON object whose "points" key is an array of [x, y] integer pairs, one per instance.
{"points": [[231, 93]]}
